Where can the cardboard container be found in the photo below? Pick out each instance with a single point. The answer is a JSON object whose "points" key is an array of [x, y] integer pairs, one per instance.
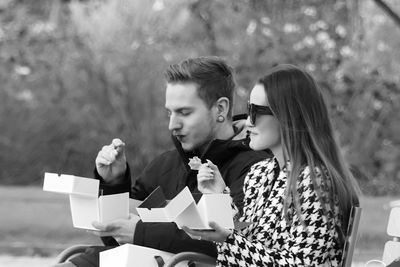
{"points": [[134, 256], [85, 210], [393, 227], [156, 208], [391, 250], [85, 203], [70, 184], [184, 210]]}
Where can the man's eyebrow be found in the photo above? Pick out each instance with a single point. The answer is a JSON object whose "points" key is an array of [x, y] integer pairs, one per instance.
{"points": [[179, 109]]}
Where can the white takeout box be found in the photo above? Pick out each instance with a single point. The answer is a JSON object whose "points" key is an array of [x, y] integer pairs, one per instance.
{"points": [[85, 203], [184, 210], [392, 248], [129, 255], [70, 184]]}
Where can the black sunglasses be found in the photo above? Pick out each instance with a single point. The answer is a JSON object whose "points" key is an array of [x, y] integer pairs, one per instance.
{"points": [[253, 110]]}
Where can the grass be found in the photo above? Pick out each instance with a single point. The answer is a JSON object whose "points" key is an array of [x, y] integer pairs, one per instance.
{"points": [[34, 222], [38, 223]]}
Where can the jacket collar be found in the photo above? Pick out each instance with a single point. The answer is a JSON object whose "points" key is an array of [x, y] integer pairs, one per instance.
{"points": [[217, 150]]}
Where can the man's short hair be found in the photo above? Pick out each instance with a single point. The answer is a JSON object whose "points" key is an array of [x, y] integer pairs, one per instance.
{"points": [[213, 76]]}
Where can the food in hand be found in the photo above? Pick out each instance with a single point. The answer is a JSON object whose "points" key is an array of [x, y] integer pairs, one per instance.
{"points": [[194, 163]]}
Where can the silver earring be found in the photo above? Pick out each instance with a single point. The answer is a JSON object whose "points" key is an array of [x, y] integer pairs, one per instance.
{"points": [[220, 118]]}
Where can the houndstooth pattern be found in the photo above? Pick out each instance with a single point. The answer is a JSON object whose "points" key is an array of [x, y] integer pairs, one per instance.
{"points": [[270, 240]]}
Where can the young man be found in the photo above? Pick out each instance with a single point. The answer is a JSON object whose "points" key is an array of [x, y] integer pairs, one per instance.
{"points": [[199, 97]]}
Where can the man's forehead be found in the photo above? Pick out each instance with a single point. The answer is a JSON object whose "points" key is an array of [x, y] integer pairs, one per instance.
{"points": [[182, 94]]}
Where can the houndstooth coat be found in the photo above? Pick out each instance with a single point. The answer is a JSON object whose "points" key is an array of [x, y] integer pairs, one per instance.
{"points": [[270, 240]]}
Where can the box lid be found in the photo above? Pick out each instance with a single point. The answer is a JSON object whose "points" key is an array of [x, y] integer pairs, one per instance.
{"points": [[70, 184], [155, 208], [127, 256], [155, 200]]}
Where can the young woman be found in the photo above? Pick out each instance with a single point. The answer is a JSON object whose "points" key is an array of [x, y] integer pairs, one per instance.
{"points": [[299, 201]]}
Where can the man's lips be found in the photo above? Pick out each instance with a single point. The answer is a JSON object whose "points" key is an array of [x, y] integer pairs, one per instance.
{"points": [[180, 137]]}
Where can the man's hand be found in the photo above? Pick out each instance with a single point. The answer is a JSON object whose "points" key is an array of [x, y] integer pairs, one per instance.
{"points": [[209, 179], [111, 161], [122, 230]]}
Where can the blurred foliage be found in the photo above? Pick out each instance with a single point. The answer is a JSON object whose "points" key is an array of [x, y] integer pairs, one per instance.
{"points": [[75, 74]]}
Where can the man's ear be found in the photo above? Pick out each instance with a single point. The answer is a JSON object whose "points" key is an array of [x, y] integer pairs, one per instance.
{"points": [[223, 105]]}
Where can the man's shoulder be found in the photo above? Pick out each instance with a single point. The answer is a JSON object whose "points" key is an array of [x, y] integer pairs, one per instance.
{"points": [[240, 152], [252, 156]]}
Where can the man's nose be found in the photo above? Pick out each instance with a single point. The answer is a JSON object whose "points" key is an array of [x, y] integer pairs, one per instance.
{"points": [[174, 123]]}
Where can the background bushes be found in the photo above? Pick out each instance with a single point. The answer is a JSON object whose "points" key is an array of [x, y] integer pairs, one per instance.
{"points": [[75, 74]]}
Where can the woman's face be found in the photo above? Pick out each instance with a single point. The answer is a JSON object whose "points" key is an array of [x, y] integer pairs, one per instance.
{"points": [[265, 133]]}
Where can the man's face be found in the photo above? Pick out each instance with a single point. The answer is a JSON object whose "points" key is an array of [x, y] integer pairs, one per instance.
{"points": [[190, 120]]}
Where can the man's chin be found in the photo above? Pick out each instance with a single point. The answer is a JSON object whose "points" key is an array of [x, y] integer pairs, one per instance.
{"points": [[187, 147]]}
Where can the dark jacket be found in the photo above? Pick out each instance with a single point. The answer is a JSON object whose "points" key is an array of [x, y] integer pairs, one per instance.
{"points": [[171, 171]]}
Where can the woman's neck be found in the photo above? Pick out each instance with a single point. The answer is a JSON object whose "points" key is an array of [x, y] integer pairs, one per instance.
{"points": [[278, 153]]}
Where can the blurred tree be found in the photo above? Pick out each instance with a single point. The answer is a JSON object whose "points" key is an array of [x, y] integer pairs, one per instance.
{"points": [[389, 11], [78, 73]]}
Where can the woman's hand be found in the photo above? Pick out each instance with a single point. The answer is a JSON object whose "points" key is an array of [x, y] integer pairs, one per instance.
{"points": [[217, 234], [209, 179]]}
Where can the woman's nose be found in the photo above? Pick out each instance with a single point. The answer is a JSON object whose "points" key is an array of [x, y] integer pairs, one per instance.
{"points": [[248, 123]]}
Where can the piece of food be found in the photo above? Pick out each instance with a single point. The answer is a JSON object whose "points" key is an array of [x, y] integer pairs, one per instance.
{"points": [[194, 163]]}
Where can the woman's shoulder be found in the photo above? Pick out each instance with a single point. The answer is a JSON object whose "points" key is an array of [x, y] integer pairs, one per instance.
{"points": [[268, 162], [264, 166], [316, 173]]}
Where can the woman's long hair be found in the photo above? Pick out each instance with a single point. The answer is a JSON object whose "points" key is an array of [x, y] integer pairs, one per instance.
{"points": [[308, 140]]}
